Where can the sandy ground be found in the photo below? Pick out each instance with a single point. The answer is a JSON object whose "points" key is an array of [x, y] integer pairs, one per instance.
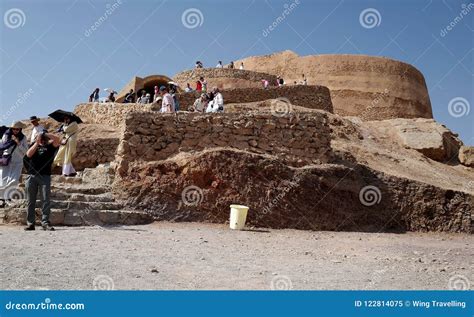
{"points": [[209, 256]]}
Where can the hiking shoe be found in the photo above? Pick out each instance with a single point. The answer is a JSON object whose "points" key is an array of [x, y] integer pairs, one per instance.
{"points": [[30, 228], [47, 227]]}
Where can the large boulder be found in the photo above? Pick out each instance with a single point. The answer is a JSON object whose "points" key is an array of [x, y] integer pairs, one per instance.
{"points": [[426, 136]]}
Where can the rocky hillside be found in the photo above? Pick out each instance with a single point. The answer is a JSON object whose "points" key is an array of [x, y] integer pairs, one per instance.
{"points": [[351, 175]]}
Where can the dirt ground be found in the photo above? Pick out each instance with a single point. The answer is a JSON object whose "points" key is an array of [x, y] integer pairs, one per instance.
{"points": [[209, 256]]}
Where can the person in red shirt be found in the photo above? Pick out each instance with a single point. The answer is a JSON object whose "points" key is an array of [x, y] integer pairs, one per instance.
{"points": [[198, 85]]}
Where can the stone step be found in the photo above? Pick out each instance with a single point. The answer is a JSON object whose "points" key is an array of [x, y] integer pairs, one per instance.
{"points": [[66, 180], [82, 205], [59, 195], [71, 217], [87, 190], [61, 179]]}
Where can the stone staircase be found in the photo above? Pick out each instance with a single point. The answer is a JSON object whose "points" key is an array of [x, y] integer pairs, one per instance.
{"points": [[84, 200]]}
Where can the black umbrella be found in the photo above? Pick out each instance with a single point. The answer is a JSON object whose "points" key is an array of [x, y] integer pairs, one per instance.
{"points": [[59, 115]]}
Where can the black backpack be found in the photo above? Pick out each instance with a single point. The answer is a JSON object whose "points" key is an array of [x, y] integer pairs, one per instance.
{"points": [[3, 129]]}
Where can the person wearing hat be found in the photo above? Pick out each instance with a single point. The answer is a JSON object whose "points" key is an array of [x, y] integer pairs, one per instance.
{"points": [[68, 147], [13, 147], [37, 128]]}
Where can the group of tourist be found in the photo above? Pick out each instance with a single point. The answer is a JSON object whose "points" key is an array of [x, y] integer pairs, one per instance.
{"points": [[38, 154], [210, 102], [161, 94], [231, 65], [94, 97]]}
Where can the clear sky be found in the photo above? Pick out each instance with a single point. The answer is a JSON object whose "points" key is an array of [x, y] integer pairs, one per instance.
{"points": [[51, 57]]}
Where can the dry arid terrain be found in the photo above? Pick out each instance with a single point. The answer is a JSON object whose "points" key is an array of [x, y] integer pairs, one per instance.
{"points": [[350, 185], [211, 256]]}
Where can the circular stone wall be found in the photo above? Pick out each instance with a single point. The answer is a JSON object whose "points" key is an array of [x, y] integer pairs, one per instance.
{"points": [[224, 78], [373, 88]]}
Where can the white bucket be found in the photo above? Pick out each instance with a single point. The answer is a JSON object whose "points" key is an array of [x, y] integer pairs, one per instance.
{"points": [[238, 216]]}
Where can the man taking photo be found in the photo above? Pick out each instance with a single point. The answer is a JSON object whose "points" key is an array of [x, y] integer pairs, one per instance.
{"points": [[38, 161]]}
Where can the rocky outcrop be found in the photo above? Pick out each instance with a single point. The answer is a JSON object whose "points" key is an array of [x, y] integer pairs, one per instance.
{"points": [[424, 135], [316, 171], [373, 88], [201, 187], [466, 155]]}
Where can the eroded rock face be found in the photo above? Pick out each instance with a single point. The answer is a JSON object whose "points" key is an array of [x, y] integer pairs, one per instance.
{"points": [[466, 155], [426, 136], [319, 197], [343, 175]]}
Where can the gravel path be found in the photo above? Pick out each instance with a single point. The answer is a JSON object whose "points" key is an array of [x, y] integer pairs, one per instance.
{"points": [[209, 256]]}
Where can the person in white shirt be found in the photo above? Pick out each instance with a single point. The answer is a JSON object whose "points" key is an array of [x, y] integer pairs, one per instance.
{"points": [[167, 104], [219, 65], [241, 66], [188, 88], [37, 129], [200, 104], [217, 104], [142, 98]]}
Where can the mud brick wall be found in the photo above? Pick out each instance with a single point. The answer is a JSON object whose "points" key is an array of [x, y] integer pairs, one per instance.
{"points": [[297, 139]]}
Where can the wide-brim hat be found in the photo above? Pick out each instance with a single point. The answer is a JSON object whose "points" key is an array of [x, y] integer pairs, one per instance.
{"points": [[34, 118], [17, 125]]}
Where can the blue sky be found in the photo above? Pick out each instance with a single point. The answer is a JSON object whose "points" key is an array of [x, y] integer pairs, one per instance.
{"points": [[50, 57]]}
